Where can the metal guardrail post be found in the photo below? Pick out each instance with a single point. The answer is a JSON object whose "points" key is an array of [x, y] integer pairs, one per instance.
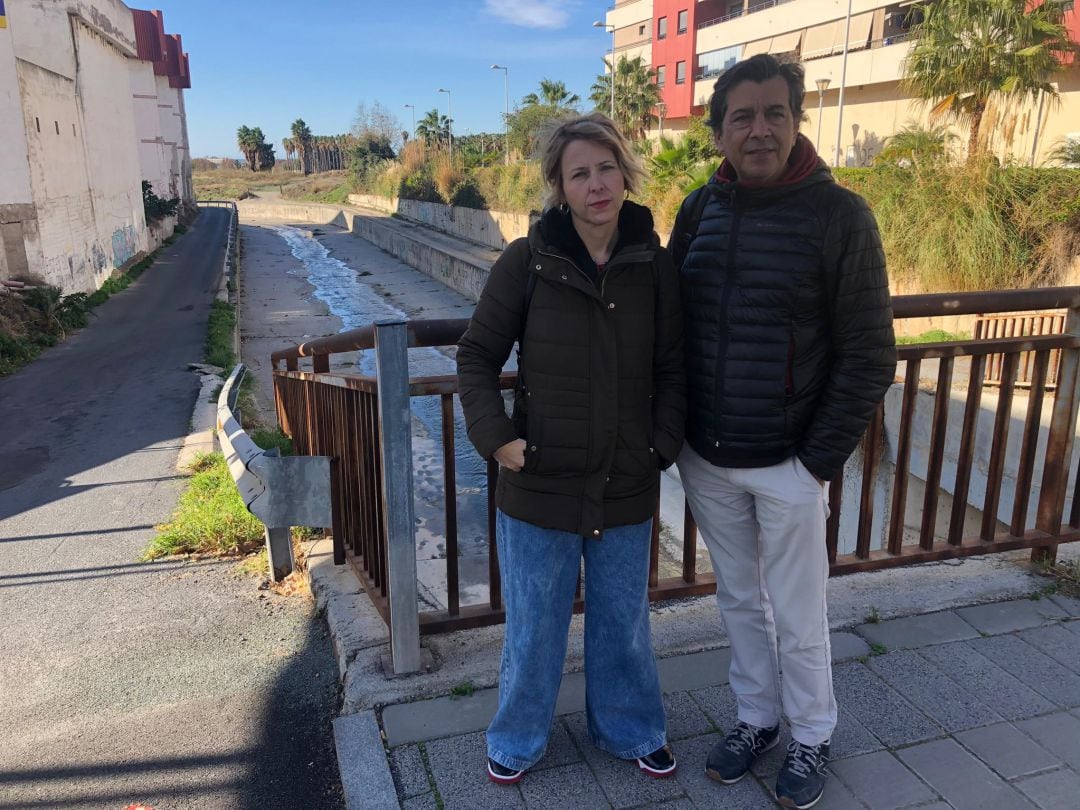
{"points": [[395, 427]]}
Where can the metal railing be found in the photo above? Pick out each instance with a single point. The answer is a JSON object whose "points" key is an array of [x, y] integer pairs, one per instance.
{"points": [[343, 415], [1020, 324]]}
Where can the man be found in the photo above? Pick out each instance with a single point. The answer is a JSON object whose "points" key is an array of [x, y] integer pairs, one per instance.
{"points": [[789, 349]]}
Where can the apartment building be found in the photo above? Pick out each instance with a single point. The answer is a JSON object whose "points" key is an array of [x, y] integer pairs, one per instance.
{"points": [[690, 43], [91, 104]]}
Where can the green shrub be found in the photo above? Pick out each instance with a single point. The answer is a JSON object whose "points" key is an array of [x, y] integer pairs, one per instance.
{"points": [[467, 194], [156, 208]]}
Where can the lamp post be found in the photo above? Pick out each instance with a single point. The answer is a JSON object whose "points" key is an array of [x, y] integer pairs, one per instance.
{"points": [[412, 108], [449, 121], [822, 86], [611, 28], [661, 108], [506, 109], [843, 81]]}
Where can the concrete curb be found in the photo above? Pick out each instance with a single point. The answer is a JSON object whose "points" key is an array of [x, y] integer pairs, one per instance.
{"points": [[365, 771]]}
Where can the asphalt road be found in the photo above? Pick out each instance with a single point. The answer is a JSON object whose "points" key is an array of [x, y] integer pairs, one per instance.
{"points": [[174, 684]]}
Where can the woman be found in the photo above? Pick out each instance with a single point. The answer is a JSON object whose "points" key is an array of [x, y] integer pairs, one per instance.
{"points": [[593, 301]]}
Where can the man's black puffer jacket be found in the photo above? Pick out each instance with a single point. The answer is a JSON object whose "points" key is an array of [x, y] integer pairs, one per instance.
{"points": [[789, 338]]}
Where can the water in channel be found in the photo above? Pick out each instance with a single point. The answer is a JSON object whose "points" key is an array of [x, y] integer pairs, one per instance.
{"points": [[340, 287]]}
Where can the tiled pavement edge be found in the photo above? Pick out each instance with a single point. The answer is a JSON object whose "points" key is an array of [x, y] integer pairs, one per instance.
{"points": [[974, 707]]}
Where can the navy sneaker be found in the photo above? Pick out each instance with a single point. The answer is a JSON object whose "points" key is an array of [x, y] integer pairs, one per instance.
{"points": [[802, 776], [501, 775], [659, 764], [729, 760]]}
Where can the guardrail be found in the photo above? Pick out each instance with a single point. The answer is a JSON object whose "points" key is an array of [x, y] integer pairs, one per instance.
{"points": [[1018, 324], [280, 492], [355, 419]]}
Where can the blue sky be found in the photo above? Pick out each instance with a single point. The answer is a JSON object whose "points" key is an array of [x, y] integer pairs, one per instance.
{"points": [[267, 62]]}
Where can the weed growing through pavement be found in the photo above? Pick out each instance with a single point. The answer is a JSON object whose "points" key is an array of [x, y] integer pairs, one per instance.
{"points": [[878, 649], [463, 689], [873, 617]]}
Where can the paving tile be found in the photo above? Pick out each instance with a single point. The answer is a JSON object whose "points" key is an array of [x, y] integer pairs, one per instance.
{"points": [[1007, 750], [1006, 695], [1042, 673], [1057, 733], [881, 781], [1008, 617], [953, 707], [459, 765], [694, 671], [846, 646], [1070, 604], [622, 781], [851, 737], [439, 717], [747, 794], [565, 786], [407, 768], [425, 802], [561, 749], [918, 631], [1057, 642], [961, 779], [718, 702], [674, 804], [684, 718], [1053, 790], [879, 708]]}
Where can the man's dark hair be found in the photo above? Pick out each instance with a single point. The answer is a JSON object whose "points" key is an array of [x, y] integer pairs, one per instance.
{"points": [[759, 68]]}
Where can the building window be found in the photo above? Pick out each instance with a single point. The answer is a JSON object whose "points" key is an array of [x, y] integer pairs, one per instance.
{"points": [[661, 73], [641, 30], [713, 63], [684, 16], [680, 72], [661, 28]]}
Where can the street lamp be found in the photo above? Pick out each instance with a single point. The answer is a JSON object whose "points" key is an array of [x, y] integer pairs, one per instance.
{"points": [[661, 108], [506, 109], [843, 81], [449, 121], [822, 86], [611, 28], [413, 108]]}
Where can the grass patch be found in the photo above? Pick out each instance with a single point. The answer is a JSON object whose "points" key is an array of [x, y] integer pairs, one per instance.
{"points": [[210, 517], [933, 336], [873, 617], [463, 689], [1066, 578], [878, 649], [219, 335], [272, 437]]}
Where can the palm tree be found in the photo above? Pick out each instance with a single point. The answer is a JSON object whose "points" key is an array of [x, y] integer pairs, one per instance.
{"points": [[301, 136], [1067, 153], [433, 128], [552, 94], [967, 53], [636, 95], [249, 145], [917, 144]]}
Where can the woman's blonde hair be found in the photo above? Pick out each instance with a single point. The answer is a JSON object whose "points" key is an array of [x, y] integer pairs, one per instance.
{"points": [[596, 128]]}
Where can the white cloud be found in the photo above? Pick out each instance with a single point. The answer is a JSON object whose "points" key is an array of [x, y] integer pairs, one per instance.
{"points": [[530, 13]]}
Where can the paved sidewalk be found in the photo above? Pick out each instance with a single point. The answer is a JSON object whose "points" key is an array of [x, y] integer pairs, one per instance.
{"points": [[974, 707]]}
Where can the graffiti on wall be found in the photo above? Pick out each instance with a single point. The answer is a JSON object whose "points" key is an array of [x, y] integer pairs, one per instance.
{"points": [[125, 242]]}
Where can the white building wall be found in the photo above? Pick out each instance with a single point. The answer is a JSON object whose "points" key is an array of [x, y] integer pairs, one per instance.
{"points": [[81, 126]]}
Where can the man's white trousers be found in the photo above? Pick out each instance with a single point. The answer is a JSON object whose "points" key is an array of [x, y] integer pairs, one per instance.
{"points": [[765, 531]]}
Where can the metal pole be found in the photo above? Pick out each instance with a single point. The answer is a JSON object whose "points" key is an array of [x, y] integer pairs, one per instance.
{"points": [[613, 73], [412, 109], [395, 429], [1038, 120], [506, 110], [843, 82]]}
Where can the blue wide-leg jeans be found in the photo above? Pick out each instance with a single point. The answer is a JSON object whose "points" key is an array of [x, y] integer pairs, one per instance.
{"points": [[539, 569]]}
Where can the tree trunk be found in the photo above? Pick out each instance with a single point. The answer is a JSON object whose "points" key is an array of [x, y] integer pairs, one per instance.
{"points": [[976, 123]]}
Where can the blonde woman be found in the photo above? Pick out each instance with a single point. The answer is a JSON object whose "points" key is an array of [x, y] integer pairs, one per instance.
{"points": [[592, 300]]}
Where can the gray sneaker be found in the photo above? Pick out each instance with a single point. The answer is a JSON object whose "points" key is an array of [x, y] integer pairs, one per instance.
{"points": [[802, 777], [730, 760]]}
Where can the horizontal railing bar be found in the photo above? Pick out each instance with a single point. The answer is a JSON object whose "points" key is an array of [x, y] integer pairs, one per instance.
{"points": [[970, 348], [983, 303], [420, 333]]}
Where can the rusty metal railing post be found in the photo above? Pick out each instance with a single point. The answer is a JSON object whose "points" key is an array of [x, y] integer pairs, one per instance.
{"points": [[395, 429], [1059, 444]]}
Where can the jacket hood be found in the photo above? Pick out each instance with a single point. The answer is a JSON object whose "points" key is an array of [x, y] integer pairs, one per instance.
{"points": [[803, 164], [555, 228]]}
